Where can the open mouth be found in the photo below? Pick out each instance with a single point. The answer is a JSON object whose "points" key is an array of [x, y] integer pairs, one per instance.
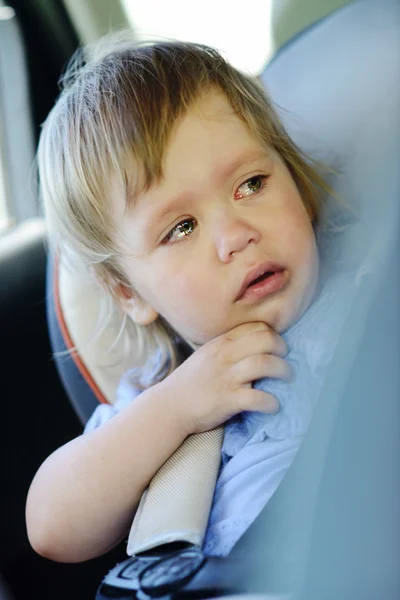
{"points": [[262, 281], [262, 277]]}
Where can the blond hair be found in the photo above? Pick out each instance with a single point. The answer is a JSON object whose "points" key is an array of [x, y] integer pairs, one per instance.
{"points": [[116, 110]]}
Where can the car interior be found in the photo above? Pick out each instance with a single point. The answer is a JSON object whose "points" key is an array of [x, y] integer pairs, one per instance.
{"points": [[332, 528]]}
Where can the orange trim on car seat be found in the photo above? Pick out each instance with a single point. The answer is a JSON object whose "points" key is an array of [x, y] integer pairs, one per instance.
{"points": [[68, 339]]}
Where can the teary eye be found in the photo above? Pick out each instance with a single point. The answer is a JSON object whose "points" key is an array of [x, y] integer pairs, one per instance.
{"points": [[251, 186], [181, 230]]}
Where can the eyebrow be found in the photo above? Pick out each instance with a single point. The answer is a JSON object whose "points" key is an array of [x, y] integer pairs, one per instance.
{"points": [[223, 173]]}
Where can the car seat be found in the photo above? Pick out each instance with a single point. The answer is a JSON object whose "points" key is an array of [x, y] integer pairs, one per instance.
{"points": [[336, 87]]}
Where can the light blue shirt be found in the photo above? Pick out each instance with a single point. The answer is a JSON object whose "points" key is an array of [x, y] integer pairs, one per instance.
{"points": [[258, 448]]}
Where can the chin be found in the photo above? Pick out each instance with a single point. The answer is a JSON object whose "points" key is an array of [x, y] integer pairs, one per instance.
{"points": [[280, 324], [285, 319]]}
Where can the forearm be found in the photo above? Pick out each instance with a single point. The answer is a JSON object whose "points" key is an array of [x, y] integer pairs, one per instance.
{"points": [[83, 498]]}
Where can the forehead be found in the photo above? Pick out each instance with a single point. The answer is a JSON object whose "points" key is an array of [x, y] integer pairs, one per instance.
{"points": [[210, 116], [209, 135]]}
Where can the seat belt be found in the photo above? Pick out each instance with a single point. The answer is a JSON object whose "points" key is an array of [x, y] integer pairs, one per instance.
{"points": [[176, 505]]}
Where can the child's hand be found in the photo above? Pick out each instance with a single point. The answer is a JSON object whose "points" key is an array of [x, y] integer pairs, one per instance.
{"points": [[214, 383]]}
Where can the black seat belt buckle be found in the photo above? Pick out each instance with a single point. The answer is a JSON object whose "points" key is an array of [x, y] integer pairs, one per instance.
{"points": [[186, 573]]}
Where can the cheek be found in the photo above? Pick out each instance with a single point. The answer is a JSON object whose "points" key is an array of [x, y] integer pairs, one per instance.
{"points": [[295, 237], [175, 288], [192, 287], [294, 231]]}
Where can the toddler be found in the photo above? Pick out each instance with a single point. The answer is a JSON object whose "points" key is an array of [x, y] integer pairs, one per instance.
{"points": [[168, 173]]}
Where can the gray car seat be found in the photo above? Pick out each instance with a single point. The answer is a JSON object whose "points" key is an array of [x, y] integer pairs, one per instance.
{"points": [[328, 530]]}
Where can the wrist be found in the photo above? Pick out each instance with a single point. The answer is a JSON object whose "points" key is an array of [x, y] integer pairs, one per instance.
{"points": [[175, 404]]}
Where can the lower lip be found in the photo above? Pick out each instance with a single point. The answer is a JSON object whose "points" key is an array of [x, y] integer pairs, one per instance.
{"points": [[260, 290]]}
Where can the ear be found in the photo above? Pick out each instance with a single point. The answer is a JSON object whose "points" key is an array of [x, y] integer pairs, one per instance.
{"points": [[134, 306], [137, 309]]}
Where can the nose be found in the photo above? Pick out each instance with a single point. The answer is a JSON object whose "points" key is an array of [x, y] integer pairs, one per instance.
{"points": [[232, 235]]}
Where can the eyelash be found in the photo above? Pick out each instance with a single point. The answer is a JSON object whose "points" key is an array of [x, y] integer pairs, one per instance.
{"points": [[263, 179], [167, 238]]}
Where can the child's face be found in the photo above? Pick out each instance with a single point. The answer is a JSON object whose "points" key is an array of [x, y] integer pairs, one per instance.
{"points": [[225, 211]]}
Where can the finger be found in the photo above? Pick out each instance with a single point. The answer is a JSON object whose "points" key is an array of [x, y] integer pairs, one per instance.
{"points": [[256, 400], [245, 329], [263, 365], [265, 341]]}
